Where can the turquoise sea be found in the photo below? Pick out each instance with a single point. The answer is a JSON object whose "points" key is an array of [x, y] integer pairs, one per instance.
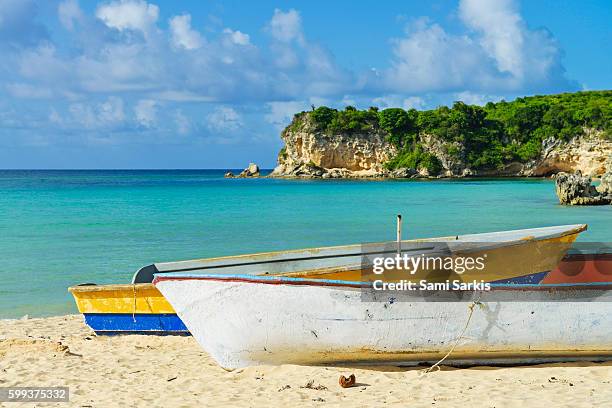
{"points": [[60, 228]]}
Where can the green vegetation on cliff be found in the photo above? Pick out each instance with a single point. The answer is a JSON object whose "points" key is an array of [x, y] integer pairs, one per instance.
{"points": [[483, 137]]}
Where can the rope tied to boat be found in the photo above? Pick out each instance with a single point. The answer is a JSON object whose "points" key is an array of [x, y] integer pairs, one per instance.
{"points": [[467, 323]]}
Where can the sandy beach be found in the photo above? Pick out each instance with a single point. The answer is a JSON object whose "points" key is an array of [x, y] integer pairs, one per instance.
{"points": [[138, 370]]}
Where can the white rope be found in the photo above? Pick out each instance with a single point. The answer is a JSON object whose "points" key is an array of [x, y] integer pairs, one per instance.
{"points": [[467, 323]]}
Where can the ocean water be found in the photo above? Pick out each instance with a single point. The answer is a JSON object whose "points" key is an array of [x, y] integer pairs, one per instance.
{"points": [[60, 228]]}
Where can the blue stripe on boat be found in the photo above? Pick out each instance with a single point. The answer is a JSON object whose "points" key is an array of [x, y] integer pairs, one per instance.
{"points": [[533, 278], [115, 323]]}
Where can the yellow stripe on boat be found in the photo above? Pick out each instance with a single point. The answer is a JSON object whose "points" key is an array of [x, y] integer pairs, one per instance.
{"points": [[134, 298]]}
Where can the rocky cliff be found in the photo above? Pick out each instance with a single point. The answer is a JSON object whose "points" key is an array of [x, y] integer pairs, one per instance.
{"points": [[309, 152], [589, 153]]}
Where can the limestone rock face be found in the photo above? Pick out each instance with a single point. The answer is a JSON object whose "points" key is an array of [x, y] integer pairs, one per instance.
{"points": [[450, 154], [590, 154], [576, 189], [309, 151], [229, 174]]}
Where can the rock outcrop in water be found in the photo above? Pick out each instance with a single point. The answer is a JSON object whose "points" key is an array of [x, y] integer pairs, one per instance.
{"points": [[251, 171], [576, 189]]}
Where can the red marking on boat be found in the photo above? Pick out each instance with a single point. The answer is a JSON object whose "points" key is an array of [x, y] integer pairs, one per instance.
{"points": [[582, 268]]}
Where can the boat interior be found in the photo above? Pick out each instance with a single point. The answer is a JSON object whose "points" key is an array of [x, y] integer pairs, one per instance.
{"points": [[347, 262]]}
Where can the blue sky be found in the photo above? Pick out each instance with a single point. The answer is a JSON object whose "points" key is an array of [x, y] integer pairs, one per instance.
{"points": [[193, 84]]}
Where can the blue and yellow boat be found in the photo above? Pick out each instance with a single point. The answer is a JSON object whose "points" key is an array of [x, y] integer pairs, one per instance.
{"points": [[132, 308]]}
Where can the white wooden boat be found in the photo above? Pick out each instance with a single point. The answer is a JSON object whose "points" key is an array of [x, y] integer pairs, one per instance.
{"points": [[244, 319]]}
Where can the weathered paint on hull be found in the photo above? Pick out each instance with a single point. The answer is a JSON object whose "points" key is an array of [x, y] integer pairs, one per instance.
{"points": [[298, 321]]}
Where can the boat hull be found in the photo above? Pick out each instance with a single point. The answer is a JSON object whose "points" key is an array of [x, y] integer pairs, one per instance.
{"points": [[243, 321], [123, 309]]}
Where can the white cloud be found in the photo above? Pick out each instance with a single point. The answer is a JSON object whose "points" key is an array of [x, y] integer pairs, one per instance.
{"points": [[292, 52], [319, 101], [68, 12], [43, 63], [107, 114], [182, 33], [237, 37], [132, 67], [83, 114], [227, 68], [501, 28], [499, 54], [182, 96], [413, 102], [429, 59], [111, 111], [285, 57], [399, 101], [348, 101], [146, 112], [286, 30], [320, 61], [472, 98], [128, 15], [182, 122], [281, 113], [224, 119], [286, 26]]}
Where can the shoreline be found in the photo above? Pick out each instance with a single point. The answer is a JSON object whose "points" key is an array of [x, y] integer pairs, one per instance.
{"points": [[138, 370], [420, 178]]}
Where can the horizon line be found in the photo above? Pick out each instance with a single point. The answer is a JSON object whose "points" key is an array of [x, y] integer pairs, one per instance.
{"points": [[120, 169]]}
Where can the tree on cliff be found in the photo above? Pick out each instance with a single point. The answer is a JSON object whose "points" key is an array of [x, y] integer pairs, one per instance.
{"points": [[490, 136]]}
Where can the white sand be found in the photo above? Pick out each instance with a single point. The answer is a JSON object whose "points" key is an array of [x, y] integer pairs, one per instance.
{"points": [[174, 371]]}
